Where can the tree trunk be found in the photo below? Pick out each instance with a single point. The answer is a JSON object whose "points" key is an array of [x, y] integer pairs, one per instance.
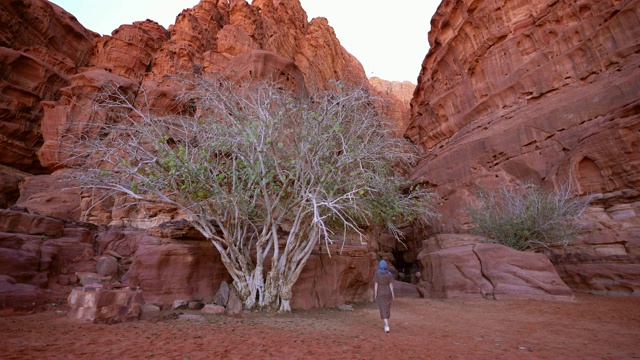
{"points": [[285, 299]]}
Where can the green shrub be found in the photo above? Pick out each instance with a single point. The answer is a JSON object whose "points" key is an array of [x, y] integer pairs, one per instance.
{"points": [[529, 218]]}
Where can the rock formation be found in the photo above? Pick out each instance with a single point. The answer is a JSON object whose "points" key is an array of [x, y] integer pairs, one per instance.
{"points": [[40, 256], [52, 70], [510, 92], [40, 46], [547, 92], [400, 94], [461, 266]]}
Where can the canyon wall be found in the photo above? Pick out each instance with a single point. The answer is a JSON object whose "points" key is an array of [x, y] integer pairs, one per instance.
{"points": [[41, 45], [545, 92], [52, 69], [399, 92]]}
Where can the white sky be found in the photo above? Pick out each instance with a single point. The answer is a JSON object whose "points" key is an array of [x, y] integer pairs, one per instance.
{"points": [[389, 38]]}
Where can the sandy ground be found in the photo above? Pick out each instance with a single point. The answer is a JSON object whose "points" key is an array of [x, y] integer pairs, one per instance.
{"points": [[593, 327]]}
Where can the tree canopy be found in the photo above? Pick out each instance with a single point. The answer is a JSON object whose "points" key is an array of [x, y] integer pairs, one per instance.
{"points": [[264, 173]]}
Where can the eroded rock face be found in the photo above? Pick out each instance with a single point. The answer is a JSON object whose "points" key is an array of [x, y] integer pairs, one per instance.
{"points": [[130, 50], [264, 40], [53, 69], [545, 92], [40, 45], [399, 95], [190, 268], [39, 253], [329, 281], [460, 266], [50, 195], [168, 270]]}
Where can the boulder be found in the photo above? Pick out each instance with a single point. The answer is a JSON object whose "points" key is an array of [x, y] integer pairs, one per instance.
{"points": [[213, 309], [91, 278], [149, 311], [460, 266], [179, 305], [234, 305], [195, 305], [222, 295], [107, 266], [105, 305]]}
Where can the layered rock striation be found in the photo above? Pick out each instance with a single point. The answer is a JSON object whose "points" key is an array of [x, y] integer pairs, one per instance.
{"points": [[41, 45], [545, 92]]}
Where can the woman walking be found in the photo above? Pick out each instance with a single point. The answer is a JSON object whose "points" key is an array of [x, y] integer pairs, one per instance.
{"points": [[383, 292]]}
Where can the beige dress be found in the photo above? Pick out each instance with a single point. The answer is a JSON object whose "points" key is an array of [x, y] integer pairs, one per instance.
{"points": [[384, 294]]}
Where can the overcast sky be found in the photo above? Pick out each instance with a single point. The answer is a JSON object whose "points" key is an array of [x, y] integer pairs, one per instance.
{"points": [[388, 37]]}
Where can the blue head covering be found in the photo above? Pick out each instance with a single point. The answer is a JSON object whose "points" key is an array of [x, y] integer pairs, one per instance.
{"points": [[382, 268]]}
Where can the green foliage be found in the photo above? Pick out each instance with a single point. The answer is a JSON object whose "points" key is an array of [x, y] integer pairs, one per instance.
{"points": [[530, 218]]}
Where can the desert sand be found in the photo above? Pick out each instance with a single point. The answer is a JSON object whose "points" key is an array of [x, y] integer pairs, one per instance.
{"points": [[592, 327]]}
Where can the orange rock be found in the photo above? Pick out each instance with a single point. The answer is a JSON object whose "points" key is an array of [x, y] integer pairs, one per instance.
{"points": [[399, 96], [54, 69], [459, 266], [546, 92], [41, 45]]}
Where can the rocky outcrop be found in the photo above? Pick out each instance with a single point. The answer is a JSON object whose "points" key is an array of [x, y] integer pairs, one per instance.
{"points": [[50, 195], [178, 266], [461, 266], [130, 50], [262, 40], [53, 69], [170, 269], [548, 92], [104, 305], [40, 256], [402, 90], [332, 280], [44, 259], [399, 95], [40, 46]]}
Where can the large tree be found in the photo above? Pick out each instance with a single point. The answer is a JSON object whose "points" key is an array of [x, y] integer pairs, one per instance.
{"points": [[263, 172]]}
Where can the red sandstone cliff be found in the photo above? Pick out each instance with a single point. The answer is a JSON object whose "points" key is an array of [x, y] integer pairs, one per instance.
{"points": [[41, 45], [400, 93], [49, 60], [52, 67], [510, 92], [520, 91]]}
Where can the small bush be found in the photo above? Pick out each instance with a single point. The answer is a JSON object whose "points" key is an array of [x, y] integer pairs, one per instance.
{"points": [[529, 218]]}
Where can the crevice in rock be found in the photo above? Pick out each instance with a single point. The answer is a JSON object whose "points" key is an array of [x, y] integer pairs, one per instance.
{"points": [[484, 276]]}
